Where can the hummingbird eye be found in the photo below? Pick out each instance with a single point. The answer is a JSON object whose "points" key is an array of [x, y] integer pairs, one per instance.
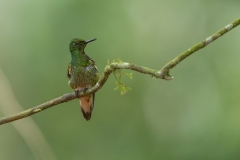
{"points": [[75, 43]]}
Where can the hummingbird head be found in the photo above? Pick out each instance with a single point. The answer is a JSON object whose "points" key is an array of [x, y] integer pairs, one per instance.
{"points": [[79, 44]]}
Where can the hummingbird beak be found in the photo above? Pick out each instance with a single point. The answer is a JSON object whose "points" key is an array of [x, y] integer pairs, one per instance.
{"points": [[90, 40]]}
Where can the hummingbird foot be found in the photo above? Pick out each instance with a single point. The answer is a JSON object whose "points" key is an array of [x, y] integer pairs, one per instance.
{"points": [[80, 90], [77, 92]]}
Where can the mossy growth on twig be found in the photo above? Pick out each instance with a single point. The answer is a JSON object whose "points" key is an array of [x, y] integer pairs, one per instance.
{"points": [[118, 73]]}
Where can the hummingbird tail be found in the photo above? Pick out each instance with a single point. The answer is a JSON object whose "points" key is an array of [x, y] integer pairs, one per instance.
{"points": [[87, 104]]}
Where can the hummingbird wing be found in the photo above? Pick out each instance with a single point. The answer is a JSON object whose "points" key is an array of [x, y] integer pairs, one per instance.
{"points": [[69, 70]]}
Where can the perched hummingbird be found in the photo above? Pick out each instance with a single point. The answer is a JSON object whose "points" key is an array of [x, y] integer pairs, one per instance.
{"points": [[82, 74]]}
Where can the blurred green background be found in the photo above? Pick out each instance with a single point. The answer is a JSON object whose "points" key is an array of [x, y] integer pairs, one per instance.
{"points": [[194, 116]]}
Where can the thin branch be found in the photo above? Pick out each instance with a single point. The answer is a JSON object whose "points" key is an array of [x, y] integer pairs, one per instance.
{"points": [[163, 74], [165, 70], [70, 96]]}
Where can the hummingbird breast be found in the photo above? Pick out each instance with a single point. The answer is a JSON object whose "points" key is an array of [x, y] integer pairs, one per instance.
{"points": [[83, 77]]}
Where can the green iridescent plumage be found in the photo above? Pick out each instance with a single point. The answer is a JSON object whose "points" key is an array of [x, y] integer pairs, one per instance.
{"points": [[82, 74]]}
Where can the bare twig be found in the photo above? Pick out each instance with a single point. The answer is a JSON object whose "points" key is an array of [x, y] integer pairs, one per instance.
{"points": [[163, 74], [165, 70]]}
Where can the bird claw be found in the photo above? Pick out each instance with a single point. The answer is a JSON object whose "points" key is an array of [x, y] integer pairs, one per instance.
{"points": [[85, 90], [80, 90], [77, 92]]}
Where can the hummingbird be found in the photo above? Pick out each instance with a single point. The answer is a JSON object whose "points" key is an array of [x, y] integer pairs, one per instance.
{"points": [[83, 74]]}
